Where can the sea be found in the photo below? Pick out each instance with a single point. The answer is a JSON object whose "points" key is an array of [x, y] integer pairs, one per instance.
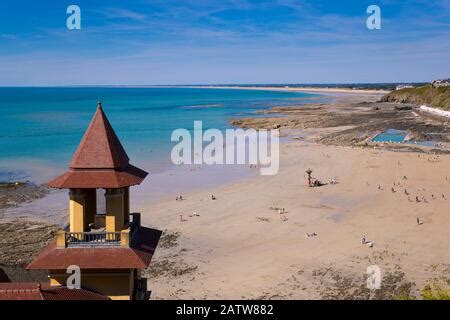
{"points": [[42, 126]]}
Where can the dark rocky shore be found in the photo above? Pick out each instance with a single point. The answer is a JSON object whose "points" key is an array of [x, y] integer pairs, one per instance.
{"points": [[21, 240], [15, 193], [350, 123]]}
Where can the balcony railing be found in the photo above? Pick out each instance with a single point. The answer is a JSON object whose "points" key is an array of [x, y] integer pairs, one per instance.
{"points": [[92, 239], [66, 239]]}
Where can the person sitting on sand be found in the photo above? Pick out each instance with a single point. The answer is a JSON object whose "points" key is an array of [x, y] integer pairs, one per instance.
{"points": [[213, 197], [363, 240], [393, 190], [417, 199], [318, 183]]}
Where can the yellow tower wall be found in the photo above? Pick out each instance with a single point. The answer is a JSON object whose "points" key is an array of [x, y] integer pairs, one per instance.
{"points": [[117, 285], [77, 210], [115, 210]]}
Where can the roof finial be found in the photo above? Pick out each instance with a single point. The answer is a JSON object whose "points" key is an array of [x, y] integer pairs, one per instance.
{"points": [[99, 104]]}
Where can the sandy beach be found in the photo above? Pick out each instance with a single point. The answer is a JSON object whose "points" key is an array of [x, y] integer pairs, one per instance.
{"points": [[303, 89], [240, 247], [237, 247]]}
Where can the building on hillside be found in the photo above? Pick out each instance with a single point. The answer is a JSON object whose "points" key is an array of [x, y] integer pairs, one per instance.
{"points": [[441, 83], [110, 249]]}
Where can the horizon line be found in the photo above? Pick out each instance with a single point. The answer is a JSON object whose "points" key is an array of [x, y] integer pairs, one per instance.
{"points": [[214, 85]]}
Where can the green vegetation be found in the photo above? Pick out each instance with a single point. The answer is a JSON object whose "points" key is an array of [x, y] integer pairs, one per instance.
{"points": [[435, 290], [435, 97]]}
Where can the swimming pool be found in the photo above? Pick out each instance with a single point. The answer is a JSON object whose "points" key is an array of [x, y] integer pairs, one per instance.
{"points": [[391, 135]]}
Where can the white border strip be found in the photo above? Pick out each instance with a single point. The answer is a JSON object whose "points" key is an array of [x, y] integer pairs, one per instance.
{"points": [[435, 111]]}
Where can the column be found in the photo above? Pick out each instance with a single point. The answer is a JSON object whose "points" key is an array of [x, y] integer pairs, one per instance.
{"points": [[77, 208], [114, 209]]}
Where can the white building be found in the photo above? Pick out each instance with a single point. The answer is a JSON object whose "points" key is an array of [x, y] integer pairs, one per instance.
{"points": [[441, 83]]}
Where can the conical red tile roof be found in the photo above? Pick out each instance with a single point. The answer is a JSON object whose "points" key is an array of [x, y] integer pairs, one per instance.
{"points": [[100, 160], [100, 148]]}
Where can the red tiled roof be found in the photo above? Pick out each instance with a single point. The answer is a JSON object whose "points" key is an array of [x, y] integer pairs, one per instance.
{"points": [[100, 148], [130, 176], [100, 160], [40, 291], [137, 256]]}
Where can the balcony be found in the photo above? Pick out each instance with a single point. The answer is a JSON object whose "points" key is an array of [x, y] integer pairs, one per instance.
{"points": [[99, 238]]}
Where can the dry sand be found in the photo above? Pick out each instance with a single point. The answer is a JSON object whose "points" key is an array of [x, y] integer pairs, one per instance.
{"points": [[237, 247]]}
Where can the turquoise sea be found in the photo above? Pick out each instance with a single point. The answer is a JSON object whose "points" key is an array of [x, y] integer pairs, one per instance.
{"points": [[40, 128]]}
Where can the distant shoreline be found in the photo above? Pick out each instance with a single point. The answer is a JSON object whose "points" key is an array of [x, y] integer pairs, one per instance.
{"points": [[314, 89], [299, 89]]}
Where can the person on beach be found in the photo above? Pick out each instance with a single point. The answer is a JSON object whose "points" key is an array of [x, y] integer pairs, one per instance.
{"points": [[213, 197]]}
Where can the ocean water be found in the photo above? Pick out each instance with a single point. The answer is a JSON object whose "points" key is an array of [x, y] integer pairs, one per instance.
{"points": [[40, 128]]}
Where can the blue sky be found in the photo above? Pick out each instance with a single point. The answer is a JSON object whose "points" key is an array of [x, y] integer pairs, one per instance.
{"points": [[236, 41]]}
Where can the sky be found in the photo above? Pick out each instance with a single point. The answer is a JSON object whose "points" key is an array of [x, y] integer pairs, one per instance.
{"points": [[157, 42]]}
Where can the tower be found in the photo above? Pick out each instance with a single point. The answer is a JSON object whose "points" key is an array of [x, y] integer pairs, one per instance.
{"points": [[110, 248]]}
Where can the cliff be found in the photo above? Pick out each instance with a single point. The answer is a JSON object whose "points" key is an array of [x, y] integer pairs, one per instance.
{"points": [[429, 95]]}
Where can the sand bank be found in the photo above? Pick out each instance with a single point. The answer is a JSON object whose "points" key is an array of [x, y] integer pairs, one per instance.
{"points": [[303, 89]]}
